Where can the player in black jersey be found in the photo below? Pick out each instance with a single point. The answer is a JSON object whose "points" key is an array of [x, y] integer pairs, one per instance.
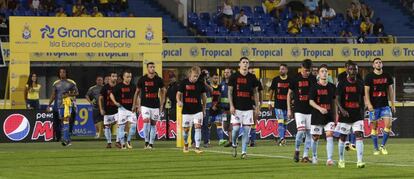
{"points": [[149, 95], [242, 87], [278, 91], [123, 96], [299, 89], [192, 97], [378, 92], [107, 108], [350, 102], [322, 100]]}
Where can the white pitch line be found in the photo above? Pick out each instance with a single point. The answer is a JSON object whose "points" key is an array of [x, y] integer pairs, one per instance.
{"points": [[286, 157]]}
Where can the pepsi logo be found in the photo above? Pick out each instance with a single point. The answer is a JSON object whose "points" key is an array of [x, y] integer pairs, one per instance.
{"points": [[16, 127]]}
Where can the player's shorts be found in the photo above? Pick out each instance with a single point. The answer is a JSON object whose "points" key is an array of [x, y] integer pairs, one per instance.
{"points": [[317, 129], [281, 115], [97, 117], [190, 119], [379, 113], [125, 115], [303, 121], [345, 128], [110, 119], [242, 117], [150, 113], [63, 113]]}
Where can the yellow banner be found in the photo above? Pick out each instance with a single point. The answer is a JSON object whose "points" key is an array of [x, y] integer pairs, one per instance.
{"points": [[85, 34], [288, 52], [233, 52]]}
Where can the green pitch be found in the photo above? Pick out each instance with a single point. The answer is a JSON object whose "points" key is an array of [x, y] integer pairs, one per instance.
{"points": [[90, 159]]}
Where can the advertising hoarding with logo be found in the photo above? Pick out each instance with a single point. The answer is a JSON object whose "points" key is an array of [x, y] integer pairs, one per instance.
{"points": [[26, 126]]}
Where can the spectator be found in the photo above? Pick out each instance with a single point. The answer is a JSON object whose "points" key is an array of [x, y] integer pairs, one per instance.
{"points": [[85, 13], [366, 11], [378, 27], [31, 92], [104, 5], [48, 5], [241, 19], [274, 7], [106, 80], [294, 26], [92, 96], [34, 4], [328, 13], [164, 38], [347, 37], [312, 20], [366, 26], [12, 4], [78, 9], [61, 13], [171, 102], [354, 12], [312, 6], [227, 13], [4, 27], [96, 12]]}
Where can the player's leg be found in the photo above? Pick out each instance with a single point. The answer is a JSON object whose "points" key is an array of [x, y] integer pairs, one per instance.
{"points": [[155, 116], [373, 117], [97, 122], [358, 128], [329, 130], [301, 129], [205, 129], [386, 115], [235, 123], [198, 122], [280, 125], [108, 120], [253, 130], [132, 120], [308, 139], [146, 116], [228, 127], [187, 123], [247, 122], [316, 132], [344, 130]]}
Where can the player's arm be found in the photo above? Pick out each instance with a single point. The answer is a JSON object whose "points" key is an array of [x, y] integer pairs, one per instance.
{"points": [[100, 104], [230, 97], [367, 100], [112, 97], [317, 107], [209, 87], [179, 98], [204, 100], [161, 93], [271, 93], [256, 96], [87, 96], [137, 102], [52, 98], [289, 105], [340, 108], [391, 97]]}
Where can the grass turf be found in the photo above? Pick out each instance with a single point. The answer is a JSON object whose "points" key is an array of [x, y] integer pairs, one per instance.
{"points": [[90, 159]]}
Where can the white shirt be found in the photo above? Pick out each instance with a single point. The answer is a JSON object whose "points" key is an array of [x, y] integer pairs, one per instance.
{"points": [[330, 13], [227, 9], [35, 4], [243, 19]]}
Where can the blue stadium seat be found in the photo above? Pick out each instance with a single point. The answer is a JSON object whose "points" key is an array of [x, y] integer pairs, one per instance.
{"points": [[258, 10]]}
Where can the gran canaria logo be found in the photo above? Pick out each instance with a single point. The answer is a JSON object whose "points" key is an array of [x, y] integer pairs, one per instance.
{"points": [[295, 52], [245, 52], [194, 51], [27, 33], [346, 52], [47, 31], [396, 51], [91, 32]]}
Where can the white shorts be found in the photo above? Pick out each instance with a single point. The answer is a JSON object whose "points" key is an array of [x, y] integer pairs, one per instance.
{"points": [[345, 128], [303, 121], [317, 129], [190, 119], [150, 113], [110, 119], [242, 117], [125, 115]]}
